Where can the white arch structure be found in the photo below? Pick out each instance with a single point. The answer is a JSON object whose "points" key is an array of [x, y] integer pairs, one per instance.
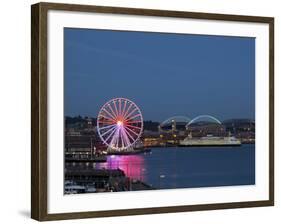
{"points": [[203, 116]]}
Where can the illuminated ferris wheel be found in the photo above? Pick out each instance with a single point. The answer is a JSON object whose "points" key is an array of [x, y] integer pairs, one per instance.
{"points": [[119, 123]]}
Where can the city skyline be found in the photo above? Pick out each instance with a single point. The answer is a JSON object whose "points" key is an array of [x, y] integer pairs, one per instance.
{"points": [[164, 74], [210, 120]]}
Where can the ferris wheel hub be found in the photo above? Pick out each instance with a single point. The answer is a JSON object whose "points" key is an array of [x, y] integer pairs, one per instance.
{"points": [[119, 123]]}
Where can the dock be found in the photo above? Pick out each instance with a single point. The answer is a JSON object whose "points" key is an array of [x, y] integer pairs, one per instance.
{"points": [[129, 152], [86, 160], [84, 157]]}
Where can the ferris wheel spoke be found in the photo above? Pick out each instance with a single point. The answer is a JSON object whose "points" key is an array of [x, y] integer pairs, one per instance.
{"points": [[128, 109], [109, 136], [106, 123], [111, 133], [112, 141], [137, 115], [126, 139], [117, 137], [122, 139], [130, 136], [108, 118], [115, 107], [119, 107], [109, 130], [133, 122], [109, 113], [132, 131], [134, 110], [115, 115], [124, 107], [133, 126], [108, 126]]}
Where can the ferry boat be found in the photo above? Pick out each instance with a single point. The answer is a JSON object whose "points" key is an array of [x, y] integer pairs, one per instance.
{"points": [[210, 141]]}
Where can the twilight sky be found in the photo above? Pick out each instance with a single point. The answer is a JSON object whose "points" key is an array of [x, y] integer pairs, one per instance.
{"points": [[164, 74]]}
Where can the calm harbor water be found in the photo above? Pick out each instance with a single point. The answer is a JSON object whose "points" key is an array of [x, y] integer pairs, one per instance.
{"points": [[174, 167]]}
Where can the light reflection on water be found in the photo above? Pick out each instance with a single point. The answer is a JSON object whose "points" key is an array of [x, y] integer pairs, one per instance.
{"points": [[132, 165]]}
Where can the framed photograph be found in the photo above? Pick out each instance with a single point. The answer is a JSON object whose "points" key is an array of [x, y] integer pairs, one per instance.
{"points": [[141, 111]]}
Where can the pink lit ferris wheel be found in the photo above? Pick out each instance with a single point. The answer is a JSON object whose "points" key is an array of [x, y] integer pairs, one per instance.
{"points": [[119, 123]]}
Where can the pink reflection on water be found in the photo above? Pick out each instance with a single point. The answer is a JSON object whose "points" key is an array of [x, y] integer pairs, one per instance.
{"points": [[132, 165]]}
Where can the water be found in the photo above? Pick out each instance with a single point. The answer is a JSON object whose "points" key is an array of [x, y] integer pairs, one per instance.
{"points": [[166, 168]]}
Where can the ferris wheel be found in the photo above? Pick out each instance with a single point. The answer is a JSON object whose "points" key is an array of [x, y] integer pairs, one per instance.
{"points": [[119, 123]]}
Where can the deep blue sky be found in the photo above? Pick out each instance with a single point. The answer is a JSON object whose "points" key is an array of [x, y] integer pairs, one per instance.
{"points": [[164, 74]]}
